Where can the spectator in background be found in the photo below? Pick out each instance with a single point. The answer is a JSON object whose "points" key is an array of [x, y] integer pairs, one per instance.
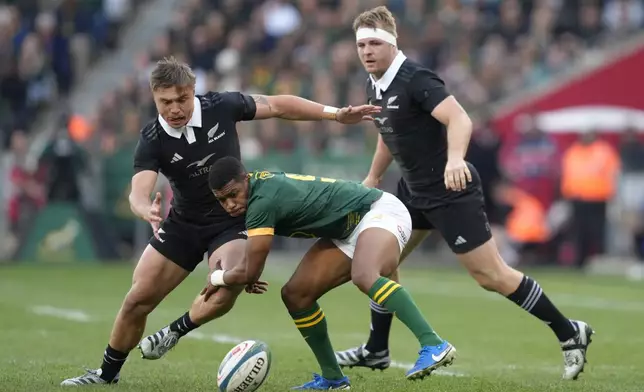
{"points": [[44, 46], [26, 194], [483, 153], [631, 190], [64, 161], [526, 222], [55, 45], [588, 181], [13, 90], [587, 24], [623, 16], [533, 161], [116, 13]]}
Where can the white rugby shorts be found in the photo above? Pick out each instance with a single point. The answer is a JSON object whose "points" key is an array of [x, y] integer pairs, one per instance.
{"points": [[387, 213]]}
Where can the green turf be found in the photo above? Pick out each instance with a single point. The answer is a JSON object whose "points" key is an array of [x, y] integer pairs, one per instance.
{"points": [[500, 347]]}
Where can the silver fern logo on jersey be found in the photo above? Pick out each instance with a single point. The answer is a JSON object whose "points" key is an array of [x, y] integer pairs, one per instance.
{"points": [[211, 134]]}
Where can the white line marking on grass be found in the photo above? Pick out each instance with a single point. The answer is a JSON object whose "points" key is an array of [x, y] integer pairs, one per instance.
{"points": [[570, 300], [67, 314], [465, 290], [217, 338]]}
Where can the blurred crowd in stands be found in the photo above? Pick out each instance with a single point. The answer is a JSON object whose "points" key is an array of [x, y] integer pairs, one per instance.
{"points": [[483, 49], [46, 46]]}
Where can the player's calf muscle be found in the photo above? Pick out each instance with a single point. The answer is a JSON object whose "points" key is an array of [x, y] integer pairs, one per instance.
{"points": [[217, 305], [126, 333], [489, 270]]}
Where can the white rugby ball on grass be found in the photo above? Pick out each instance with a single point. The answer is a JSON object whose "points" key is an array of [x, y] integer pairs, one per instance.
{"points": [[244, 368]]}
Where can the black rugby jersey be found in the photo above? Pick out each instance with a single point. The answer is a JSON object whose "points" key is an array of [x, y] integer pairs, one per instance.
{"points": [[185, 157], [418, 142]]}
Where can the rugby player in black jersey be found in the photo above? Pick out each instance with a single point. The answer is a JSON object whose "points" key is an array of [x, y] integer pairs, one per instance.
{"points": [[189, 134], [425, 130]]}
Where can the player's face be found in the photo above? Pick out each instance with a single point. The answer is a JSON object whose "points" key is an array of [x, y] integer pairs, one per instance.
{"points": [[233, 197], [175, 104], [376, 55]]}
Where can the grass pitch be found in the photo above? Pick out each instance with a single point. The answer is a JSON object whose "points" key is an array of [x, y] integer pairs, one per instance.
{"points": [[56, 319]]}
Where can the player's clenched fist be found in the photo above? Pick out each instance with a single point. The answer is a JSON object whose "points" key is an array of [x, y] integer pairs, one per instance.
{"points": [[457, 175]]}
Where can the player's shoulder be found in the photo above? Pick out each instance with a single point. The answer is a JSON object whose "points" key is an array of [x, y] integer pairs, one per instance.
{"points": [[213, 99], [263, 175], [265, 186], [151, 131], [267, 182], [413, 72]]}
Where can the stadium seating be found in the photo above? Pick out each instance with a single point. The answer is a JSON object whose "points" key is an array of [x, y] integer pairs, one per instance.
{"points": [[44, 47], [235, 47]]}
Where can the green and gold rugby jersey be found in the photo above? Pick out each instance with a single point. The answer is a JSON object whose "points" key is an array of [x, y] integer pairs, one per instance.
{"points": [[296, 205]]}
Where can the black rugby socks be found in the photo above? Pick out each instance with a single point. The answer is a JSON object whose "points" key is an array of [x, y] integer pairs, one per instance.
{"points": [[531, 298], [113, 361], [381, 320], [183, 325]]}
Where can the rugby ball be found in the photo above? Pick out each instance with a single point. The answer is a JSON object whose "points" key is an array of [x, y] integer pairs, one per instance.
{"points": [[244, 368]]}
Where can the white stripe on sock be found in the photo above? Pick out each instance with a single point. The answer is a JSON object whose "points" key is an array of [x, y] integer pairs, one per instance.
{"points": [[536, 298], [533, 291], [378, 309]]}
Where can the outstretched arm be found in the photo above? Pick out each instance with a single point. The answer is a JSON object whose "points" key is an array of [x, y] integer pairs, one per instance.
{"points": [[290, 107], [246, 273], [250, 269]]}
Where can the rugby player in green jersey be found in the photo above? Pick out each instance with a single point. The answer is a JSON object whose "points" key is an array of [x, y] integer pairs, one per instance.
{"points": [[362, 230]]}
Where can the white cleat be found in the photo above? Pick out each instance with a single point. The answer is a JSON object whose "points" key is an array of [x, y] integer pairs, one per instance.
{"points": [[92, 377], [574, 350], [158, 344], [360, 357]]}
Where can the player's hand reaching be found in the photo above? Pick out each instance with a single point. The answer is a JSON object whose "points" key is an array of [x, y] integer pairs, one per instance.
{"points": [[154, 215], [371, 182], [353, 115], [210, 289], [457, 175], [259, 287]]}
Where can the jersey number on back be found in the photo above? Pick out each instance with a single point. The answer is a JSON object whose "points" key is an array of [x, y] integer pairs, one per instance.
{"points": [[303, 177]]}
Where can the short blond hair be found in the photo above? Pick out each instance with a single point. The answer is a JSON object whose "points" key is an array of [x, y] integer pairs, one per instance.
{"points": [[171, 72], [379, 17]]}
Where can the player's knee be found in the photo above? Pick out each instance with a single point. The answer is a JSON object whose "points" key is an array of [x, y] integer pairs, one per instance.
{"points": [[225, 298], [217, 305], [364, 278], [390, 269], [140, 301], [485, 279], [491, 279], [395, 276], [296, 297]]}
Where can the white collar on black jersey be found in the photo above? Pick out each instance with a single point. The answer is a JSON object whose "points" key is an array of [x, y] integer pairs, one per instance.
{"points": [[383, 83], [195, 121]]}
